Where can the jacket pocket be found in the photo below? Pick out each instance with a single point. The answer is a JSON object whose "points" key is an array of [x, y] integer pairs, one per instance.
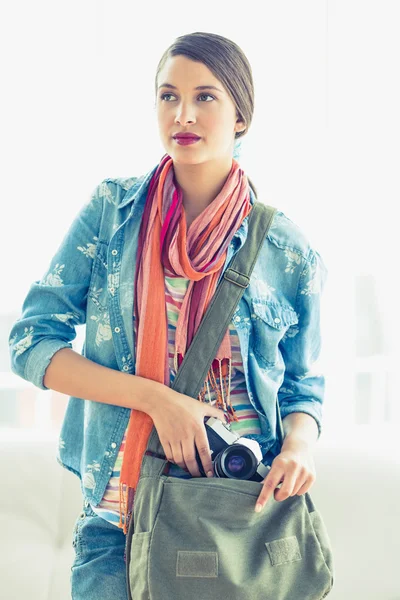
{"points": [[270, 321], [97, 293]]}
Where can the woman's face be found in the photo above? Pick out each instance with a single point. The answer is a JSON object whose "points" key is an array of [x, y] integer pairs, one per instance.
{"points": [[208, 113]]}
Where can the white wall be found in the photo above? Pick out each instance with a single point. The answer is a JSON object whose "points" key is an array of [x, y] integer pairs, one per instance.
{"points": [[77, 106]]}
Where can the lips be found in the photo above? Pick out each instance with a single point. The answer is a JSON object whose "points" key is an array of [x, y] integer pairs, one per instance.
{"points": [[186, 136]]}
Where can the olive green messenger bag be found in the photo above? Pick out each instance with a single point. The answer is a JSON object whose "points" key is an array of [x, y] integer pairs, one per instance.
{"points": [[199, 538]]}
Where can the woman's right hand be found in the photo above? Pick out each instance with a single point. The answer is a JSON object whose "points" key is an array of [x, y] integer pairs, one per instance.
{"points": [[179, 421]]}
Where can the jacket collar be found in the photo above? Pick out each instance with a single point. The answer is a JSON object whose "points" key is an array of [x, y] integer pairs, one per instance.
{"points": [[136, 189]]}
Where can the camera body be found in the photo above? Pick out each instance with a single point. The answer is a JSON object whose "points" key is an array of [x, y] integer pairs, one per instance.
{"points": [[233, 456]]}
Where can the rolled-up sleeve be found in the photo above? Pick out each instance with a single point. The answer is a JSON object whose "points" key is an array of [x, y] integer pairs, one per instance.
{"points": [[56, 304], [303, 387]]}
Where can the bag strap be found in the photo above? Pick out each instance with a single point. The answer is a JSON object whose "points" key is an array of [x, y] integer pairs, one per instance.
{"points": [[190, 377]]}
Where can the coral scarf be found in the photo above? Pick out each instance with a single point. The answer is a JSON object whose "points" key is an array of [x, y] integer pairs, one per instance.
{"points": [[166, 247]]}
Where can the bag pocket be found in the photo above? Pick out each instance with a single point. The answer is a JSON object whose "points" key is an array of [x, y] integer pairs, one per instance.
{"points": [[270, 322]]}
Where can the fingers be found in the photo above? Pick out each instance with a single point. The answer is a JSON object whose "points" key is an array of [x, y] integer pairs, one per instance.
{"points": [[189, 454], [271, 482], [214, 411], [182, 452], [204, 451], [221, 416], [295, 476], [185, 455]]}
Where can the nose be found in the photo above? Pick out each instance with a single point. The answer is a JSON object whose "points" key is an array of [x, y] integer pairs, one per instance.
{"points": [[185, 114]]}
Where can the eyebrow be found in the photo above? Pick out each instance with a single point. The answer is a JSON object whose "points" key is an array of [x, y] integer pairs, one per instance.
{"points": [[199, 87]]}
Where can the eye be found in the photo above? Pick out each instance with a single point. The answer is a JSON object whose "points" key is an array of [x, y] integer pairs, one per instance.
{"points": [[162, 97], [209, 95]]}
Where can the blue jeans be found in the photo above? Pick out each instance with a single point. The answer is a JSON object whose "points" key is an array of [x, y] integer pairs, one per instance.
{"points": [[99, 569]]}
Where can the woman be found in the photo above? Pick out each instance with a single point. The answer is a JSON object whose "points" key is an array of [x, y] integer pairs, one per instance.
{"points": [[139, 266]]}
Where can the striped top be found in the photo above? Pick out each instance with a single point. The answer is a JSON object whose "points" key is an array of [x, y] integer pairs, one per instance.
{"points": [[175, 289]]}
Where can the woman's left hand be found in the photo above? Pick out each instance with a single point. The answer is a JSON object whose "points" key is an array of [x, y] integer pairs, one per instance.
{"points": [[294, 466]]}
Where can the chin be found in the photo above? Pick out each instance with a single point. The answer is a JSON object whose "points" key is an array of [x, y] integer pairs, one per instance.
{"points": [[178, 158]]}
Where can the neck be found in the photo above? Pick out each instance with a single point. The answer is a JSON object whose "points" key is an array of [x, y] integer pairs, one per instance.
{"points": [[200, 184]]}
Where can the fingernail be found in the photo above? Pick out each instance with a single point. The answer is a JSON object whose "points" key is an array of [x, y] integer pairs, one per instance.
{"points": [[258, 507], [210, 474]]}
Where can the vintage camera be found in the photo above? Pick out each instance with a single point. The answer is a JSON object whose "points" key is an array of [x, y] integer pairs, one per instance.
{"points": [[233, 456]]}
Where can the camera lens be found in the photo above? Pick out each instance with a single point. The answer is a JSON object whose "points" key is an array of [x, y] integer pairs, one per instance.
{"points": [[236, 462]]}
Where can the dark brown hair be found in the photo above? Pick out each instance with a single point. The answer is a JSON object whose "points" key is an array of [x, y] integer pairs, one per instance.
{"points": [[227, 61]]}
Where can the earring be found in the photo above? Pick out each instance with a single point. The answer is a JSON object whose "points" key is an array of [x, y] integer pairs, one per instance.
{"points": [[237, 148]]}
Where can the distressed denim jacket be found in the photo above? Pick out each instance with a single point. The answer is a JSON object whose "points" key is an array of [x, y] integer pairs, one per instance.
{"points": [[90, 280]]}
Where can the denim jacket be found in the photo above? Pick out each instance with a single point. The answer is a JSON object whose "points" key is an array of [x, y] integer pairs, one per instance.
{"points": [[90, 280]]}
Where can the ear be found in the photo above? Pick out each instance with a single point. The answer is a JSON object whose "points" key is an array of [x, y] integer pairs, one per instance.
{"points": [[240, 125]]}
